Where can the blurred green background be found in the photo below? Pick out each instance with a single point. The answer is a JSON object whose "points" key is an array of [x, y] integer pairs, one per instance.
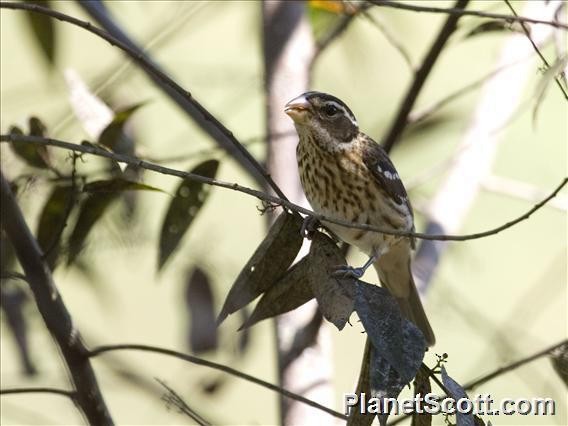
{"points": [[493, 300]]}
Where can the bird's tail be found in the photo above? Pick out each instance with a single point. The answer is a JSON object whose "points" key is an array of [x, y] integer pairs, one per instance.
{"points": [[394, 273]]}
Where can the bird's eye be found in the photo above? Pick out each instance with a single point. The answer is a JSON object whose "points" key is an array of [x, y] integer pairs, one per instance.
{"points": [[330, 110]]}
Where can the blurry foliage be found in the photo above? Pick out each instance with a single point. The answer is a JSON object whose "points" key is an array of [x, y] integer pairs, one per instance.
{"points": [[43, 29], [184, 208]]}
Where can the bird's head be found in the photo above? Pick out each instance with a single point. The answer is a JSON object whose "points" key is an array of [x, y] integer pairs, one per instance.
{"points": [[324, 118]]}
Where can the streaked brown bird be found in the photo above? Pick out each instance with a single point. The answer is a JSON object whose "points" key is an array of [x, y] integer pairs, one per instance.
{"points": [[347, 175]]}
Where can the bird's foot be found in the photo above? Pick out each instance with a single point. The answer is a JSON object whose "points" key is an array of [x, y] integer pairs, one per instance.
{"points": [[348, 272], [309, 226]]}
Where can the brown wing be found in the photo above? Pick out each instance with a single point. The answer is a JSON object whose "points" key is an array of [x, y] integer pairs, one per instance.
{"points": [[383, 170]]}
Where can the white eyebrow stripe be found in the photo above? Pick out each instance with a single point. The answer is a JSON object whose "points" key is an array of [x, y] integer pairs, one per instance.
{"points": [[342, 108]]}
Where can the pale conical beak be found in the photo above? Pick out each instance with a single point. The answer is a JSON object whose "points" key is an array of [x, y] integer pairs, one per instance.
{"points": [[297, 108]]}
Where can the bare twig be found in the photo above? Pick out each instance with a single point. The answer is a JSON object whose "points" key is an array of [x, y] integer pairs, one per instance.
{"points": [[219, 132], [527, 32], [401, 120], [55, 391], [220, 367], [399, 47], [52, 309], [173, 398], [90, 149], [460, 12], [514, 365]]}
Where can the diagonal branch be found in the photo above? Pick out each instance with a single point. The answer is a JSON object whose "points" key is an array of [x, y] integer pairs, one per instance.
{"points": [[537, 50], [460, 12], [401, 120], [510, 367], [52, 309], [220, 367], [93, 150], [214, 127]]}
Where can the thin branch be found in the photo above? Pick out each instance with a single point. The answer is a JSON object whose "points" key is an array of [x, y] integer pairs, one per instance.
{"points": [[55, 391], [460, 12], [215, 366], [505, 369], [401, 120], [91, 149], [172, 398], [336, 31], [417, 116], [499, 371], [139, 57], [52, 309], [390, 38], [537, 50]]}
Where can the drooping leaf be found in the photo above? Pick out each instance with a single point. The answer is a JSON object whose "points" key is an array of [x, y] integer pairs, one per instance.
{"points": [[395, 338], [243, 338], [13, 301], [43, 29], [457, 392], [202, 333], [190, 197], [114, 136], [268, 264], [34, 155], [52, 221], [91, 210], [559, 359], [422, 387], [386, 383], [494, 27], [335, 296], [118, 185], [288, 293]]}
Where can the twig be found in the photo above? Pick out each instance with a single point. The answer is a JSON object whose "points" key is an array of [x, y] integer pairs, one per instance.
{"points": [[138, 56], [399, 47], [490, 376], [14, 391], [220, 367], [401, 120], [52, 309], [537, 50], [505, 369], [336, 31], [89, 149], [417, 116], [173, 398], [460, 12]]}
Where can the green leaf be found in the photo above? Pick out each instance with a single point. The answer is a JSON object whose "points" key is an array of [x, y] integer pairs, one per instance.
{"points": [[267, 265], [52, 221], [114, 136], [335, 296], [202, 333], [43, 29], [118, 185], [91, 210], [288, 293], [33, 155], [190, 197]]}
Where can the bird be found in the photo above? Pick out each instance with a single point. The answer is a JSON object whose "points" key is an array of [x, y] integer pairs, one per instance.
{"points": [[346, 175]]}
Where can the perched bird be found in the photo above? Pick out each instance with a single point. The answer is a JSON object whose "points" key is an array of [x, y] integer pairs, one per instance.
{"points": [[347, 175]]}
